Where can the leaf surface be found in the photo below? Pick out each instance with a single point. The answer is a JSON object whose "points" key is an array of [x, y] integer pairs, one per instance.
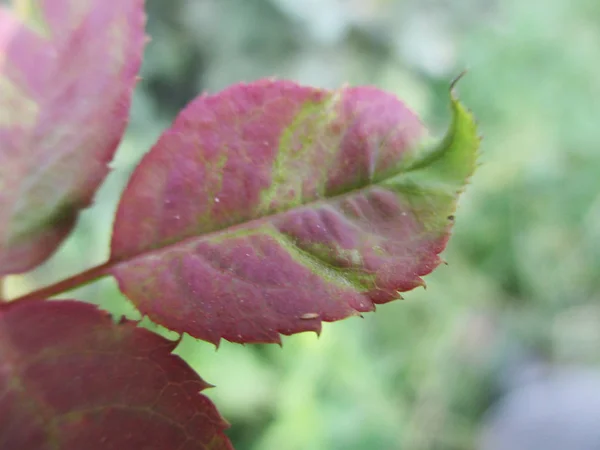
{"points": [[66, 77], [271, 207], [71, 379]]}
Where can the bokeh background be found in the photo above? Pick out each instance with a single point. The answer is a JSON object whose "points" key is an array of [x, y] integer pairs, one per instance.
{"points": [[522, 287]]}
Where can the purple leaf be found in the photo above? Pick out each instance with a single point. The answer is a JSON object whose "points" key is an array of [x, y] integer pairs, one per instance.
{"points": [[271, 207], [66, 80], [71, 379]]}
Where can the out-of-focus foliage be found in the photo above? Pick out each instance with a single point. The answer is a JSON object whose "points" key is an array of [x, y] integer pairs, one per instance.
{"points": [[522, 279], [67, 82]]}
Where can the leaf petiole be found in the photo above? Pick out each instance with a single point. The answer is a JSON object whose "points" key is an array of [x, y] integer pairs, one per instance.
{"points": [[68, 284]]}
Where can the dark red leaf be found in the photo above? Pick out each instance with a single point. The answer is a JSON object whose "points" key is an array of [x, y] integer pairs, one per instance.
{"points": [[70, 379], [271, 207], [66, 78]]}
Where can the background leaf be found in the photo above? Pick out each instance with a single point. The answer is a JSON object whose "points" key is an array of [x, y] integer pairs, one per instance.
{"points": [[71, 379], [66, 79], [271, 207]]}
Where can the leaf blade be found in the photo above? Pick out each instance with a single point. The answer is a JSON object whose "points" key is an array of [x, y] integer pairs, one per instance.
{"points": [[66, 79], [72, 379], [271, 207]]}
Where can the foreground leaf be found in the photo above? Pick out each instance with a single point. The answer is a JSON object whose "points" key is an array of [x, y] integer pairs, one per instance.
{"points": [[271, 207], [66, 78], [71, 379]]}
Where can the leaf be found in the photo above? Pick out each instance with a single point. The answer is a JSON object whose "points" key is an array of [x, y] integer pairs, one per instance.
{"points": [[71, 379], [271, 207], [66, 79]]}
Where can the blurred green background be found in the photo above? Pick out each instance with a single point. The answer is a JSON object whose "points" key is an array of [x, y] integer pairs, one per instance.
{"points": [[522, 281]]}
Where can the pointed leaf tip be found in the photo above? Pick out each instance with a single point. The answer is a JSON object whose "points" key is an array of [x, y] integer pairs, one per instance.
{"points": [[270, 201], [456, 79]]}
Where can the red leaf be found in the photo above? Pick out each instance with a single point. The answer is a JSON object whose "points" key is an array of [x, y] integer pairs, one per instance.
{"points": [[71, 379], [65, 89], [270, 207]]}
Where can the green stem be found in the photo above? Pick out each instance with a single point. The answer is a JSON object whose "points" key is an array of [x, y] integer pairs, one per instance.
{"points": [[68, 284]]}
